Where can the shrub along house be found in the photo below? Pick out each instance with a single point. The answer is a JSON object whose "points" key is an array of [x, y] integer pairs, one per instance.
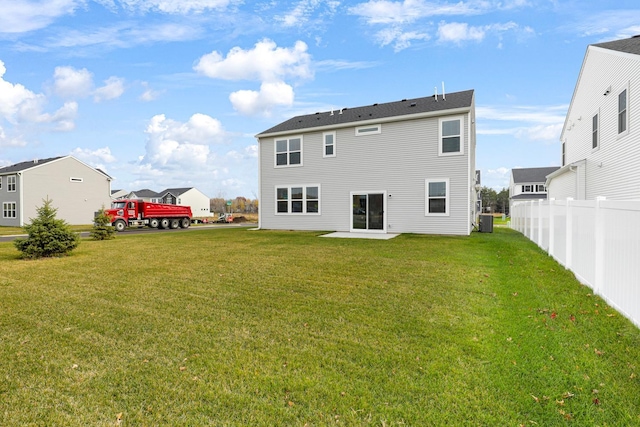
{"points": [[397, 167]]}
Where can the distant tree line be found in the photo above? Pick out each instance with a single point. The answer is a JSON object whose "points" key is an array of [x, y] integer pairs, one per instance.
{"points": [[238, 205], [495, 202]]}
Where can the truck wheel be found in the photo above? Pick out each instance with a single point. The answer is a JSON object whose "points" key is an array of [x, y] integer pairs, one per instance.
{"points": [[154, 223], [174, 223], [185, 223], [164, 223], [119, 225]]}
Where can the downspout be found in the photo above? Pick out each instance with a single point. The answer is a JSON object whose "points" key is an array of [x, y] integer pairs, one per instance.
{"points": [[21, 198], [259, 185]]}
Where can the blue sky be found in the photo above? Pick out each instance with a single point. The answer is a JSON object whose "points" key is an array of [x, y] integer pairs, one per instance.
{"points": [[170, 93]]}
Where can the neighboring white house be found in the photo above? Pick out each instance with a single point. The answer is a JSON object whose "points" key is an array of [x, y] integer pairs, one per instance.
{"points": [[199, 202], [76, 190], [118, 194], [529, 184], [398, 167], [601, 133], [190, 196]]}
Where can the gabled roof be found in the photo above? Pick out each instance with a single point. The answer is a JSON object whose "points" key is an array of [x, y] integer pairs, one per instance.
{"points": [[532, 174], [175, 191], [145, 192], [18, 167], [631, 45], [406, 107]]}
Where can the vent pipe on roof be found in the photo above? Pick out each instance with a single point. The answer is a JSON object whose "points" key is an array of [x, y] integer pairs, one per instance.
{"points": [[444, 98], [436, 90], [342, 110]]}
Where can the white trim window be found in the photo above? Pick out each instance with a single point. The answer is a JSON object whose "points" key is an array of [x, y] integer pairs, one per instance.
{"points": [[595, 131], [329, 144], [11, 183], [450, 136], [437, 197], [368, 130], [540, 188], [288, 151], [527, 188], [623, 112], [298, 200], [9, 210]]}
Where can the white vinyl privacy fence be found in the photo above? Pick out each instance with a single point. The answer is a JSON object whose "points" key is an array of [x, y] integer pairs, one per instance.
{"points": [[598, 240]]}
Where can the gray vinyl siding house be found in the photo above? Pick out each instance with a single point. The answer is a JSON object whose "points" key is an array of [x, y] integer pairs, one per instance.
{"points": [[398, 167], [76, 190]]}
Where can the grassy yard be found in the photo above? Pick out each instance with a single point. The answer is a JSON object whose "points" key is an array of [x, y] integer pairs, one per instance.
{"points": [[231, 327]]}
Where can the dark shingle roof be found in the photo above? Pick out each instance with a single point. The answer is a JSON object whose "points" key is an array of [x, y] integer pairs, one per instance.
{"points": [[26, 165], [145, 192], [175, 191], [537, 196], [532, 174], [631, 45], [376, 111]]}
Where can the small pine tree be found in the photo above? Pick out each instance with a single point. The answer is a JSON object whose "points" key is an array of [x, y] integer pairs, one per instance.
{"points": [[102, 229], [48, 236]]}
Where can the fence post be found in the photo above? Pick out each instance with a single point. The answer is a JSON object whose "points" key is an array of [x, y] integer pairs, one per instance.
{"points": [[599, 235], [551, 228], [569, 237], [531, 220]]}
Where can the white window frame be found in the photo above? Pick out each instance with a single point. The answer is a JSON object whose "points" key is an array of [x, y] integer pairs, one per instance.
{"points": [[288, 152], [7, 208], [595, 131], [446, 197], [441, 136], [540, 188], [625, 132], [12, 183], [368, 130], [325, 145], [527, 188], [304, 199]]}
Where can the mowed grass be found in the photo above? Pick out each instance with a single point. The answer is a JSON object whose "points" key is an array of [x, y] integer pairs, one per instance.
{"points": [[231, 327]]}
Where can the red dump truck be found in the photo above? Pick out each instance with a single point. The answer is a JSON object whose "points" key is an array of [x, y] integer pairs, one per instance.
{"points": [[138, 213]]}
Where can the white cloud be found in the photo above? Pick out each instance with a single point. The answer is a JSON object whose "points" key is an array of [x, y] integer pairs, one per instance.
{"points": [[20, 16], [399, 38], [301, 14], [97, 158], [533, 123], [409, 11], [457, 32], [175, 145], [113, 88], [72, 83], [265, 62], [149, 94], [169, 6], [249, 102]]}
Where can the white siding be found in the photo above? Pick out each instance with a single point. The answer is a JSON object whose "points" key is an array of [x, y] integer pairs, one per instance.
{"points": [[398, 160], [563, 186], [199, 202], [612, 169], [76, 201]]}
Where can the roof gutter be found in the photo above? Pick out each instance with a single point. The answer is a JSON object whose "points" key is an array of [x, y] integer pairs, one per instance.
{"points": [[571, 167], [390, 119]]}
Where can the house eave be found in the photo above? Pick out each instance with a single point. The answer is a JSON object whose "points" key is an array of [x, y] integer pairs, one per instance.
{"points": [[564, 169], [440, 113]]}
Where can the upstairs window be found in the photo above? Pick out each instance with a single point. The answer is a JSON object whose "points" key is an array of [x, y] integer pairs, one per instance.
{"points": [[527, 188], [595, 135], [451, 136], [623, 112], [11, 183], [329, 144], [289, 152], [541, 188]]}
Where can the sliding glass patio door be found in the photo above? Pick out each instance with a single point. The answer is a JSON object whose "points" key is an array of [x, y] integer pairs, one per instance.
{"points": [[368, 212]]}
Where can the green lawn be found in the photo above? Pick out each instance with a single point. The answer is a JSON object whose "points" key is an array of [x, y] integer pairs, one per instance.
{"points": [[231, 327]]}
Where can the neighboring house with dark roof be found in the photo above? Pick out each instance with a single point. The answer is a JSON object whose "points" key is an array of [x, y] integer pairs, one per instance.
{"points": [[397, 167], [76, 190], [601, 133], [529, 184], [188, 196]]}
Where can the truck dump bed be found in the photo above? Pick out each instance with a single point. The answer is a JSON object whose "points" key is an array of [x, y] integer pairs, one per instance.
{"points": [[161, 210]]}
